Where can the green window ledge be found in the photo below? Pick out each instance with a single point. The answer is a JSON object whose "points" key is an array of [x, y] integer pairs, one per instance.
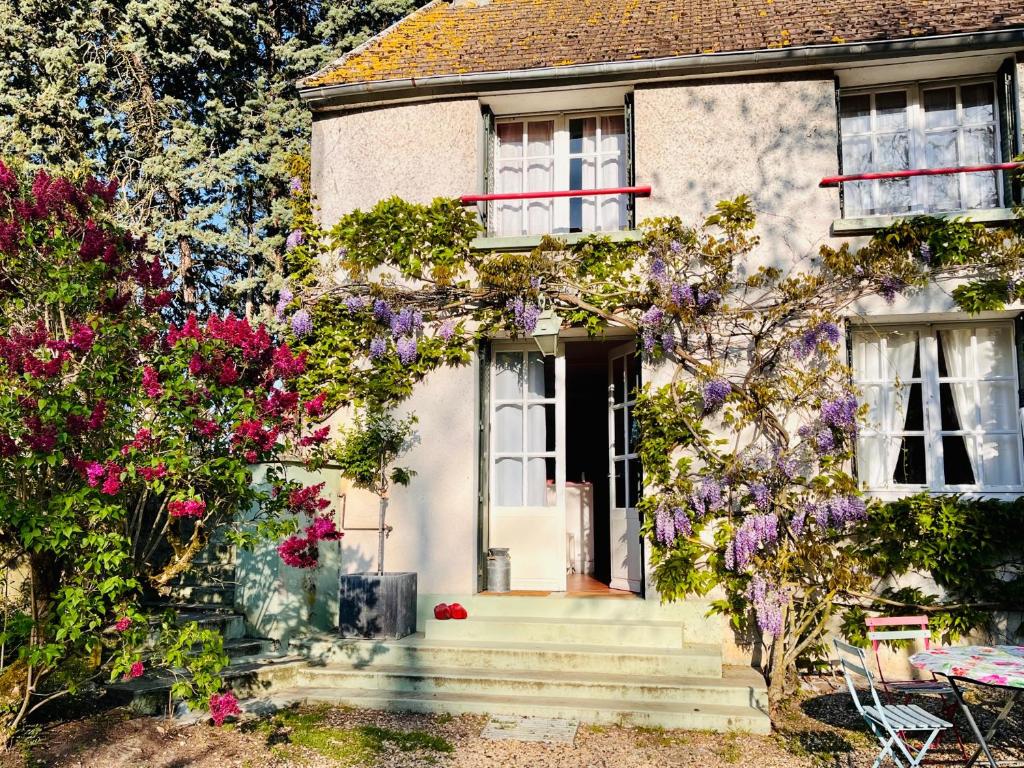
{"points": [[529, 242], [870, 224]]}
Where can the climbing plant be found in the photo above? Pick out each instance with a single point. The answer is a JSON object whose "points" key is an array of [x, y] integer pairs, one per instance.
{"points": [[746, 432]]}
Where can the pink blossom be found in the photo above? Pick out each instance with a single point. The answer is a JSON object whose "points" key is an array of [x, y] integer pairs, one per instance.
{"points": [[112, 483], [152, 473], [82, 337], [136, 671], [315, 407], [299, 552], [151, 382], [123, 623], [94, 473], [323, 529], [222, 706], [187, 508], [317, 438]]}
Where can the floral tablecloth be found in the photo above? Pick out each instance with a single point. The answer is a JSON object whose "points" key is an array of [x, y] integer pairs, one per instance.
{"points": [[1001, 665]]}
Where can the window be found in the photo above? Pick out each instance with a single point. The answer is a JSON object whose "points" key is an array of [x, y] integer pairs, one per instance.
{"points": [[523, 426], [554, 153], [942, 408], [932, 125]]}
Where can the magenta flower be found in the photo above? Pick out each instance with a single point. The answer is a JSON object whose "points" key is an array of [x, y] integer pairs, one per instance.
{"points": [[223, 706], [123, 623]]}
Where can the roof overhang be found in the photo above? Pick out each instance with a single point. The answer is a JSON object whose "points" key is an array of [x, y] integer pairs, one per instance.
{"points": [[342, 95]]}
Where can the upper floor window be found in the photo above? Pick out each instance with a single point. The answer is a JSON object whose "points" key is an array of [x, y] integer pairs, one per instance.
{"points": [[559, 153], [926, 125], [942, 408]]}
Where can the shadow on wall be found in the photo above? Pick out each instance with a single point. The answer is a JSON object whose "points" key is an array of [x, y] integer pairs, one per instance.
{"points": [[281, 602], [771, 138]]}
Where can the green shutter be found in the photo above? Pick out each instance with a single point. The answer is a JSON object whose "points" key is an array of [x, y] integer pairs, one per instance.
{"points": [[484, 466], [1009, 115], [839, 145], [630, 158], [487, 161]]}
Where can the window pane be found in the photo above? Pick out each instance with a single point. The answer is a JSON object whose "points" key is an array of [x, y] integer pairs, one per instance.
{"points": [[940, 108], [978, 103], [902, 355], [508, 482], [854, 115], [510, 140], [636, 488], [856, 154], [910, 462], [872, 395], [613, 134], [508, 377], [541, 138], [909, 409], [583, 135], [980, 149], [957, 406], [956, 461], [892, 152], [893, 196], [891, 111], [540, 483], [632, 376], [620, 431], [998, 401], [1001, 460], [540, 436], [542, 376], [871, 462], [867, 353], [994, 351], [508, 428]]}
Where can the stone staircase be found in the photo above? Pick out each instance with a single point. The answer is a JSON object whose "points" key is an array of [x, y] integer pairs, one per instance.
{"points": [[588, 659]]}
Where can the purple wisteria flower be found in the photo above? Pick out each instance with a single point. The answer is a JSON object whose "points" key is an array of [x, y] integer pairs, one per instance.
{"points": [[295, 239], [381, 311], [714, 393], [670, 523], [708, 496], [812, 337], [406, 347], [447, 330], [768, 603], [788, 465], [406, 323], [676, 247], [762, 496], [378, 347], [524, 314], [925, 252], [295, 185], [889, 286], [840, 413], [357, 303], [837, 512], [302, 323], [755, 532], [681, 294], [284, 298], [798, 522], [658, 270], [653, 318], [668, 341], [708, 298]]}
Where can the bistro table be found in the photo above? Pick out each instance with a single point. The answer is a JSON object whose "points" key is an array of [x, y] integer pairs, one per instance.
{"points": [[1000, 666]]}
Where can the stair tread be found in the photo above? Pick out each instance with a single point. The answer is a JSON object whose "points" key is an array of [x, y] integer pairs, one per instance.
{"points": [[243, 665], [733, 677], [418, 641], [615, 705], [589, 622]]}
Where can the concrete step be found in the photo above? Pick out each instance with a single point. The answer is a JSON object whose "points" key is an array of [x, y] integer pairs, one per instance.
{"points": [[204, 594], [623, 712], [415, 651], [737, 687], [555, 630], [230, 624]]}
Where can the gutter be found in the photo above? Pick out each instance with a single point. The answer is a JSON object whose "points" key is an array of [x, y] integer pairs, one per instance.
{"points": [[328, 96]]}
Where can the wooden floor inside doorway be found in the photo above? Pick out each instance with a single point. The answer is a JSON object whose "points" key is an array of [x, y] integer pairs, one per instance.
{"points": [[576, 585]]}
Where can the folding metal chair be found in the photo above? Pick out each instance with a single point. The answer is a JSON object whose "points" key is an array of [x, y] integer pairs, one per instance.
{"points": [[888, 722], [893, 632]]}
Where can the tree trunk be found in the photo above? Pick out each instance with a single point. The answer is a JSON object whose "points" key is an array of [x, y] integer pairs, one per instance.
{"points": [[381, 532]]}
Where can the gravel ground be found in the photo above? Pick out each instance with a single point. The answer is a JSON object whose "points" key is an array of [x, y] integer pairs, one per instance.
{"points": [[822, 730]]}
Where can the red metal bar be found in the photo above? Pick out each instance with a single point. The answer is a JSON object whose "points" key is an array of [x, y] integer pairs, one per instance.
{"points": [[638, 191], [835, 181]]}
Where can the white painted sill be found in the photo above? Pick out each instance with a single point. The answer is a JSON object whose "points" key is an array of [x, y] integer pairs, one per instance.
{"points": [[529, 242], [868, 225]]}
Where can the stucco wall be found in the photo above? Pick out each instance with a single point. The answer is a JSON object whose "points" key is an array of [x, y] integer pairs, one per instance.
{"points": [[416, 151], [770, 138]]}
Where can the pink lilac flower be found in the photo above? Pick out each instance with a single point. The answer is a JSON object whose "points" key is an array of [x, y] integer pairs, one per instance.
{"points": [[151, 382], [123, 623], [82, 337], [150, 474], [299, 552], [136, 670], [187, 508], [94, 473], [315, 407], [323, 529], [223, 706], [112, 482], [316, 438]]}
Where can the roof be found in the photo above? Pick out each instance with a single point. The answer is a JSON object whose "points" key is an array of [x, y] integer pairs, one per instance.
{"points": [[443, 38]]}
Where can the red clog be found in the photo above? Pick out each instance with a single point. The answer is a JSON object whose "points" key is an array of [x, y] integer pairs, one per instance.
{"points": [[443, 612], [457, 611]]}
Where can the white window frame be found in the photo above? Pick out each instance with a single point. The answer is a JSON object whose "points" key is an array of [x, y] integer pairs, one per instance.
{"points": [[917, 132], [930, 388], [558, 207]]}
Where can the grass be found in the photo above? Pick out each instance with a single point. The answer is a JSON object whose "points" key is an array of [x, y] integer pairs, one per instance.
{"points": [[293, 731], [730, 750]]}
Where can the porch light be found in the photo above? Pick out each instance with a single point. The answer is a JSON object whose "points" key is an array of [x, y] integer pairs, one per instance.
{"points": [[545, 332]]}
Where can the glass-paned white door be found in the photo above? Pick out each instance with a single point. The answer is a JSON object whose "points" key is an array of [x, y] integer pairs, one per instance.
{"points": [[624, 470], [527, 434]]}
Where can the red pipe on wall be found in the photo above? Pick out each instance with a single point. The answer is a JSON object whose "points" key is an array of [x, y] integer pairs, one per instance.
{"points": [[835, 181], [638, 191]]}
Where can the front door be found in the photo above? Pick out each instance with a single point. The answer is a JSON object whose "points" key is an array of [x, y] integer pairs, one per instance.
{"points": [[527, 492], [624, 472]]}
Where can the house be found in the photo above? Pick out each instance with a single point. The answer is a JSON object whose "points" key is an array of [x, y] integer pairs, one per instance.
{"points": [[666, 107]]}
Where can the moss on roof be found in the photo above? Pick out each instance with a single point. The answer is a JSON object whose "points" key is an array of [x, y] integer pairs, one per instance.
{"points": [[446, 39]]}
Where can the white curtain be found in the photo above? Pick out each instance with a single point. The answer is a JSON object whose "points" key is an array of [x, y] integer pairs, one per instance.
{"points": [[956, 346], [901, 349]]}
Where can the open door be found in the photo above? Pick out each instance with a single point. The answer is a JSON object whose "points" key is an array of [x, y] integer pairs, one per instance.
{"points": [[527, 477], [624, 471]]}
